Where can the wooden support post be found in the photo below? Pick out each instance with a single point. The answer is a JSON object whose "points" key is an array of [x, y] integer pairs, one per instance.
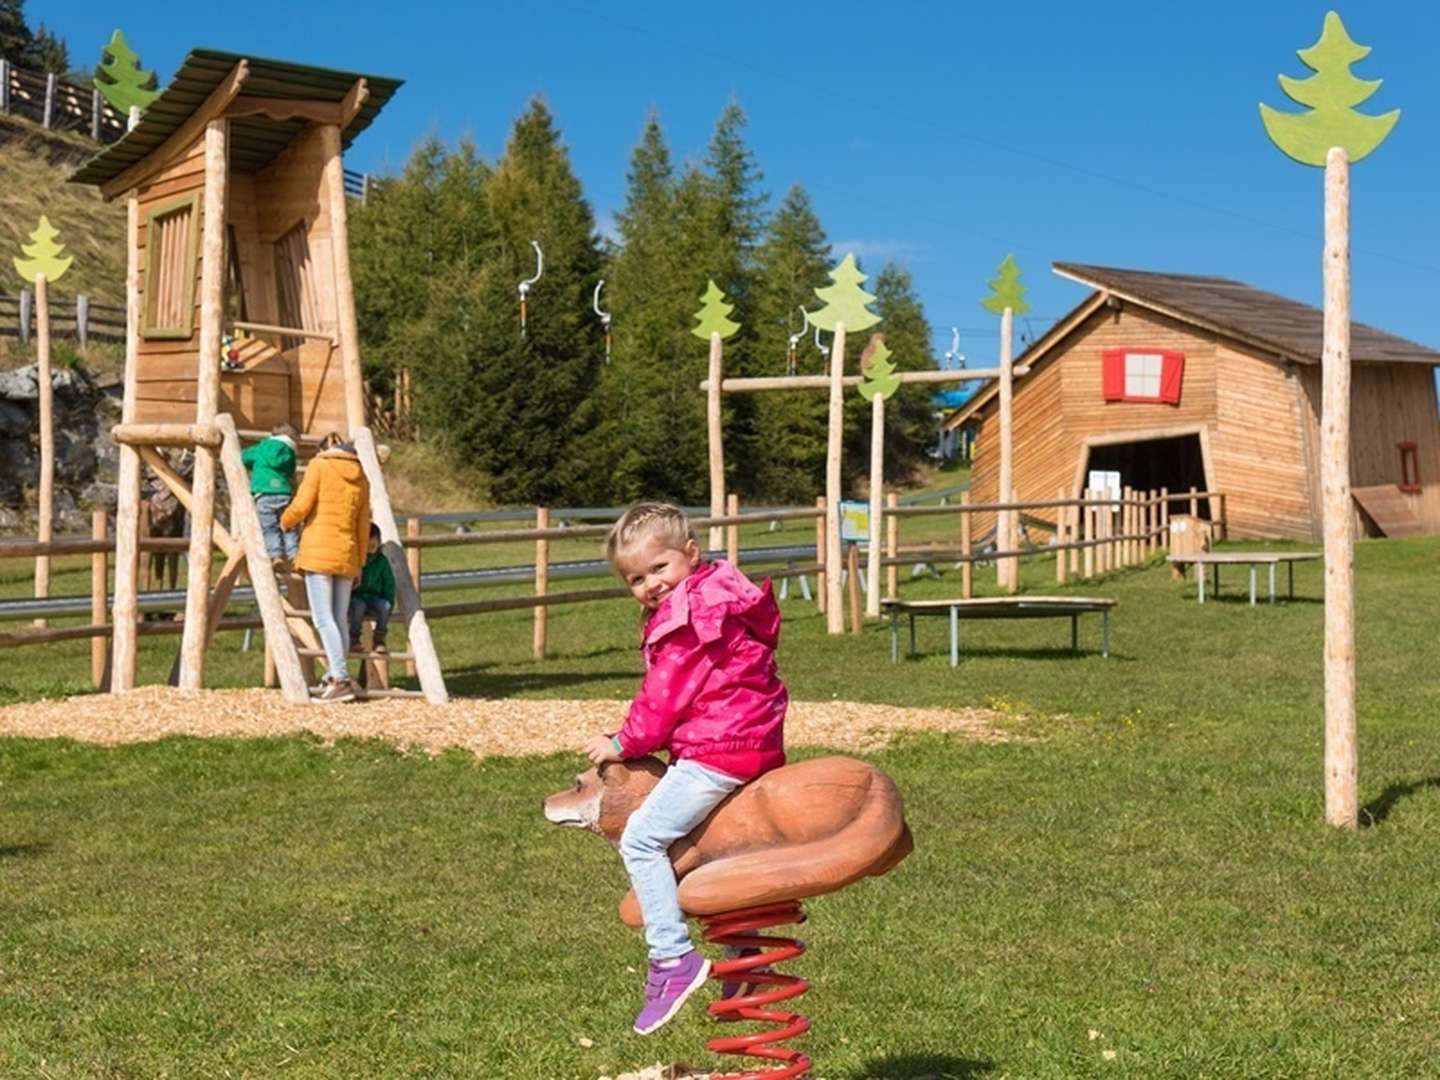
{"points": [[272, 677], [1194, 502], [1007, 569], [4, 85], [1165, 518], [835, 612], [1341, 758], [207, 402], [852, 584], [542, 581], [125, 613], [99, 586], [27, 314], [95, 113], [1087, 513], [412, 560], [278, 642], [821, 589], [967, 568], [732, 532], [892, 547], [1076, 515], [1060, 539], [407, 598], [347, 333], [49, 113], [1127, 526], [716, 437], [877, 515], [47, 435], [82, 320]]}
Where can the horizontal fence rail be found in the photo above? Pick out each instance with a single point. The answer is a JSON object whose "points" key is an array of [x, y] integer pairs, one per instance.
{"points": [[58, 105], [81, 318]]}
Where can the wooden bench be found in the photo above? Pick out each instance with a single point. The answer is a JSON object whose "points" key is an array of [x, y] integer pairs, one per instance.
{"points": [[999, 607], [1255, 559]]}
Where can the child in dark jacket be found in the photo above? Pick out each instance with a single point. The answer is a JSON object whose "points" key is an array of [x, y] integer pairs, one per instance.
{"points": [[272, 482], [375, 594]]}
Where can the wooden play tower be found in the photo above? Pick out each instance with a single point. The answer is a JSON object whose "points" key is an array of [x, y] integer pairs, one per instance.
{"points": [[234, 185]]}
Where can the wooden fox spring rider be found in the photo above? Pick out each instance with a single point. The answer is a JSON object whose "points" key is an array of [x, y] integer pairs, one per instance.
{"points": [[801, 830]]}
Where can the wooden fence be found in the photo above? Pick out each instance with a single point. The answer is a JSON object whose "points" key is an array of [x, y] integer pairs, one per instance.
{"points": [[1091, 534], [58, 105], [81, 318]]}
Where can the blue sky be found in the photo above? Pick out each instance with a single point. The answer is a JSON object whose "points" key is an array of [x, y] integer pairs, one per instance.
{"points": [[943, 136]]}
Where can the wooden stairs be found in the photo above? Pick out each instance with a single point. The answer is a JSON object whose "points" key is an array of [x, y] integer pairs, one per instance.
{"points": [[1390, 509]]}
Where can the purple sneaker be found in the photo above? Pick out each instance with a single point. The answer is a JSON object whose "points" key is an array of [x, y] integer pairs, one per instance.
{"points": [[670, 982], [740, 984]]}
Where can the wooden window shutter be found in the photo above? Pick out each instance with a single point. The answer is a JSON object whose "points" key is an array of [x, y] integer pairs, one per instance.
{"points": [[1172, 374], [1112, 374], [172, 244]]}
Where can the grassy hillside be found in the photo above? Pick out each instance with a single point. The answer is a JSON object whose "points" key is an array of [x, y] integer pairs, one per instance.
{"points": [[92, 230]]}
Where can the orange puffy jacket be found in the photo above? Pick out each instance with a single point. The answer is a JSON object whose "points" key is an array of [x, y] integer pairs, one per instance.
{"points": [[333, 504]]}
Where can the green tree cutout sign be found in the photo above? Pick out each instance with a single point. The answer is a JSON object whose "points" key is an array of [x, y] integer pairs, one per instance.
{"points": [[877, 374], [1332, 94], [44, 254], [1006, 290], [712, 318], [845, 301], [121, 79]]}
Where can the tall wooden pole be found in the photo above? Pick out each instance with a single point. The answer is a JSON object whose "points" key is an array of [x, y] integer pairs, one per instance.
{"points": [[542, 583], [716, 439], [834, 601], [207, 403], [892, 547], [99, 585], [1340, 756], [47, 437], [345, 322], [126, 611], [1005, 531], [877, 496]]}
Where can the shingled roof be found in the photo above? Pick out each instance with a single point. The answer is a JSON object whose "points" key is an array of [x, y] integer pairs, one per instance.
{"points": [[1234, 309]]}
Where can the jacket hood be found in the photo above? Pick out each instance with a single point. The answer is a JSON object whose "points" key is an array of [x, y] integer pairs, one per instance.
{"points": [[711, 594], [345, 462]]}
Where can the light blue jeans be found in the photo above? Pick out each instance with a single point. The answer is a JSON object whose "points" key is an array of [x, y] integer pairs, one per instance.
{"points": [[268, 509], [681, 800], [330, 612]]}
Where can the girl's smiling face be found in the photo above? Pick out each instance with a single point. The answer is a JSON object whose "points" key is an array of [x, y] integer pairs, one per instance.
{"points": [[652, 567]]}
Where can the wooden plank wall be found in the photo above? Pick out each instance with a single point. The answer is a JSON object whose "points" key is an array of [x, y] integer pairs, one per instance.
{"points": [[1389, 404], [1258, 446]]}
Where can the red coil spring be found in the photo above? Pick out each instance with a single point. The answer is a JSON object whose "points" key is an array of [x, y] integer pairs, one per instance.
{"points": [[767, 987]]}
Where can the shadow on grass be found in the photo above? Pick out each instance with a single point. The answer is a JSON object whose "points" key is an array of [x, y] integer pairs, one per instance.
{"points": [[1019, 652], [923, 1067], [25, 851], [1377, 810], [480, 682]]}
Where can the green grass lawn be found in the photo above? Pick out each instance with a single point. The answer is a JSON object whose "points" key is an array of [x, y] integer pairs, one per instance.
{"points": [[1151, 866]]}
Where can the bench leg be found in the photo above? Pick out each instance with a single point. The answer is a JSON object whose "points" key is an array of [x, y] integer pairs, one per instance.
{"points": [[894, 638], [1105, 633], [954, 637], [912, 633], [1272, 583], [1215, 584], [1252, 584], [1200, 580]]}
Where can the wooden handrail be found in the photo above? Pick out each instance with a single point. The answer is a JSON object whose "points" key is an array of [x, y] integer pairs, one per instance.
{"points": [[287, 331]]}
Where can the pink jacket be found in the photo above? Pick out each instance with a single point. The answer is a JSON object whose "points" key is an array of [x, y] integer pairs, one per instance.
{"points": [[711, 691]]}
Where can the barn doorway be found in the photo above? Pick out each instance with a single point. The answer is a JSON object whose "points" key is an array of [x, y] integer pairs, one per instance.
{"points": [[1176, 463]]}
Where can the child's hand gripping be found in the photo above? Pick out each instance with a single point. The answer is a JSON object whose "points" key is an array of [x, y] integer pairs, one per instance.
{"points": [[600, 749]]}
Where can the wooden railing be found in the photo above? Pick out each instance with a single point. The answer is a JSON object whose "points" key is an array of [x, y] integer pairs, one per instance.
{"points": [[58, 105], [81, 318]]}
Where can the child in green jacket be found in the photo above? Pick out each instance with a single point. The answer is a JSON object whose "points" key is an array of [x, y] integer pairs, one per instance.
{"points": [[375, 594], [272, 482]]}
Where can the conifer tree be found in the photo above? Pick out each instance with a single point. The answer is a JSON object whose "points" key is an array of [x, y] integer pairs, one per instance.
{"points": [[520, 407], [49, 52], [793, 261], [121, 79], [16, 40]]}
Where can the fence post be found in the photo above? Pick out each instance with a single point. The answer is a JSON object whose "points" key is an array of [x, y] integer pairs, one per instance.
{"points": [[1087, 533], [542, 580], [820, 594], [732, 532], [1165, 519], [82, 319], [1075, 513], [95, 115], [4, 86], [27, 308], [967, 568], [49, 99], [1060, 552], [852, 584], [892, 547], [1194, 502], [99, 585], [412, 557], [1224, 518]]}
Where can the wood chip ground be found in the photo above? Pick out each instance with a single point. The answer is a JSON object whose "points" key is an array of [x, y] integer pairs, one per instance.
{"points": [[486, 728]]}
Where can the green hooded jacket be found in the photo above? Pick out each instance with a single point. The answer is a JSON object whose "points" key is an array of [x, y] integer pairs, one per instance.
{"points": [[271, 462], [377, 579]]}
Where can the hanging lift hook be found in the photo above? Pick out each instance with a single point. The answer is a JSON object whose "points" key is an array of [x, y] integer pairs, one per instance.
{"points": [[818, 343], [953, 360], [525, 285], [604, 317], [795, 342]]}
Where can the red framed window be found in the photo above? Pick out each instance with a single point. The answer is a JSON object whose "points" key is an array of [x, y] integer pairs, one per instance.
{"points": [[1409, 468], [1133, 373]]}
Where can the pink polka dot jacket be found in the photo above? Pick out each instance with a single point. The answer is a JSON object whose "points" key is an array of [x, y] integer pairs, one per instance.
{"points": [[712, 693]]}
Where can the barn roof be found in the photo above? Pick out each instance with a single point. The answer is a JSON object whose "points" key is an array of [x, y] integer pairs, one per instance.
{"points": [[1232, 309], [254, 141]]}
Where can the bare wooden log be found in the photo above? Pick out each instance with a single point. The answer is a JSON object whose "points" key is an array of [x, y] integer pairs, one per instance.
{"points": [[822, 592], [892, 545], [1341, 758], [1089, 535], [877, 494], [967, 571], [542, 581], [766, 383], [835, 613], [47, 423], [219, 535], [417, 630], [852, 575], [716, 436], [1061, 536], [99, 586], [1007, 571], [412, 560], [125, 614], [732, 532], [187, 435], [348, 334]]}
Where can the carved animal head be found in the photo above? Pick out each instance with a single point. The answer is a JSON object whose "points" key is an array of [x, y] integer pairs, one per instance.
{"points": [[603, 799]]}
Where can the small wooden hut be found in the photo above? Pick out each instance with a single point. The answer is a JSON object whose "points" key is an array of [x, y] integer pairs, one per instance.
{"points": [[234, 182], [1178, 381]]}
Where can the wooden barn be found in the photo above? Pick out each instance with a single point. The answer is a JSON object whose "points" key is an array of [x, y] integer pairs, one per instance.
{"points": [[1179, 381]]}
